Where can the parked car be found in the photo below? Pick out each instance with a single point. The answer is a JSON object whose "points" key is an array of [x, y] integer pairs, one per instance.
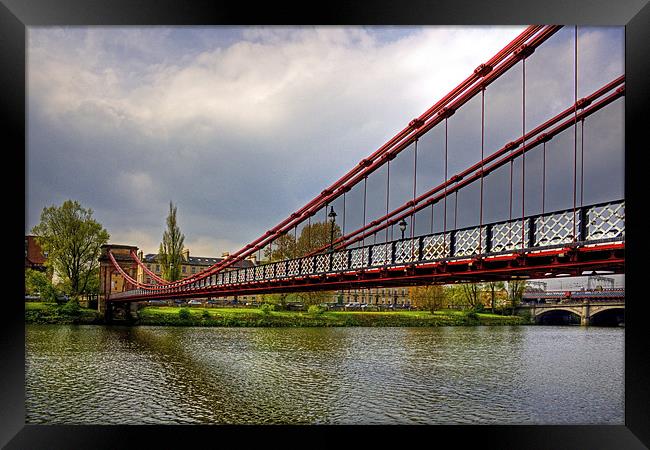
{"points": [[157, 302], [194, 302]]}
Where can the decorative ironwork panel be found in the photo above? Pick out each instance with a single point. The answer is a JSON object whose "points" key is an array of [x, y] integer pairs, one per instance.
{"points": [[381, 254], [280, 269], [507, 236], [219, 279], [467, 243], [294, 267], [322, 263], [340, 260], [268, 272], [406, 251], [226, 278], [307, 265], [259, 273], [250, 274], [606, 222], [435, 247], [554, 229], [242, 276], [359, 257]]}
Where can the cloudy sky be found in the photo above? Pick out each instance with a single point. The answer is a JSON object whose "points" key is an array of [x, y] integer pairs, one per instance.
{"points": [[239, 127]]}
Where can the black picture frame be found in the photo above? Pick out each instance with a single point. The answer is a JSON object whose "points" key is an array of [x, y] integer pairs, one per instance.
{"points": [[16, 15]]}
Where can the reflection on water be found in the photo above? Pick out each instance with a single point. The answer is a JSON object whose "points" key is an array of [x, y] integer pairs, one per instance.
{"points": [[446, 375]]}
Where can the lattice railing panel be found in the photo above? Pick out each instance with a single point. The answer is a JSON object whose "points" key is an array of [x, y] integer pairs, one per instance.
{"points": [[340, 261], [322, 263], [269, 271], [280, 269], [359, 257], [469, 242], [435, 247], [294, 267], [307, 265], [381, 254], [556, 229], [507, 236], [406, 251], [606, 222]]}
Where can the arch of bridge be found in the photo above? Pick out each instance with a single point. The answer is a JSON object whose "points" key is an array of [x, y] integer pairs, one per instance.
{"points": [[578, 310], [593, 310]]}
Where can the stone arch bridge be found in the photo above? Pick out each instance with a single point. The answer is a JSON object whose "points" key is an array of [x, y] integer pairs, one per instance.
{"points": [[590, 312]]}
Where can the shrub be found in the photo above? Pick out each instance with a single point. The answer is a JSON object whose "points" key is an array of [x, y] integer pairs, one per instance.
{"points": [[478, 308], [206, 314], [71, 308], [184, 313], [267, 308], [315, 310], [470, 316]]}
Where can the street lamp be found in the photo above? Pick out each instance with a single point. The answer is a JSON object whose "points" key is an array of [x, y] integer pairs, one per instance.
{"points": [[402, 226], [332, 215]]}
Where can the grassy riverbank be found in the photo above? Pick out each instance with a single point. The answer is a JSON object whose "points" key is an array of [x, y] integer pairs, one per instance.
{"points": [[252, 317], [41, 312], [51, 313]]}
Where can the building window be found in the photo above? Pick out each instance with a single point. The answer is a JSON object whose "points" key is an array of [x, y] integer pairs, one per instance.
{"points": [[193, 269], [184, 269], [157, 267]]}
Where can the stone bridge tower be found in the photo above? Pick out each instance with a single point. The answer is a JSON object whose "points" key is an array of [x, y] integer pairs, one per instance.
{"points": [[110, 280]]}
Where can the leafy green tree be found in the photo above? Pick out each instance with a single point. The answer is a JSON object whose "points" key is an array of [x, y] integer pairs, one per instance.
{"points": [[430, 297], [312, 236], [492, 288], [279, 301], [315, 298], [472, 294], [73, 240], [37, 282], [170, 253], [515, 292]]}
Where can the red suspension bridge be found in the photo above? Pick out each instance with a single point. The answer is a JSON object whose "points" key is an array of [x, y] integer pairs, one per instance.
{"points": [[509, 175]]}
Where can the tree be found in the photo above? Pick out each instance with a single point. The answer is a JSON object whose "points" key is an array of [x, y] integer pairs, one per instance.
{"points": [[37, 282], [312, 236], [431, 297], [73, 240], [493, 287], [515, 292], [472, 294], [170, 253]]}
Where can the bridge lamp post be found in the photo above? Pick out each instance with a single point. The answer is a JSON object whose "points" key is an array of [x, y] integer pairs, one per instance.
{"points": [[402, 226], [332, 215]]}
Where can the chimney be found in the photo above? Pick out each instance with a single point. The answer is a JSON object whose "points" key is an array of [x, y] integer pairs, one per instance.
{"points": [[252, 258], [186, 254], [225, 254]]}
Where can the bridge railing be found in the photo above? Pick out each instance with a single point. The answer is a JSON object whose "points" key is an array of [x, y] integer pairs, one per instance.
{"points": [[604, 222]]}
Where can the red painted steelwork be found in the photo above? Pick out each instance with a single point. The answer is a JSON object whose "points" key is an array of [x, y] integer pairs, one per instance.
{"points": [[501, 267], [146, 270], [486, 169], [402, 139], [480, 165]]}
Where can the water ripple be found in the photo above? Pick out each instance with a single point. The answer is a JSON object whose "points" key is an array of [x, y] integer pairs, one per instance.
{"points": [[459, 375]]}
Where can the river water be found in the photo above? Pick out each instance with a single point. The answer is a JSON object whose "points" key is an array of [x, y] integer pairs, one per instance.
{"points": [[79, 374]]}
